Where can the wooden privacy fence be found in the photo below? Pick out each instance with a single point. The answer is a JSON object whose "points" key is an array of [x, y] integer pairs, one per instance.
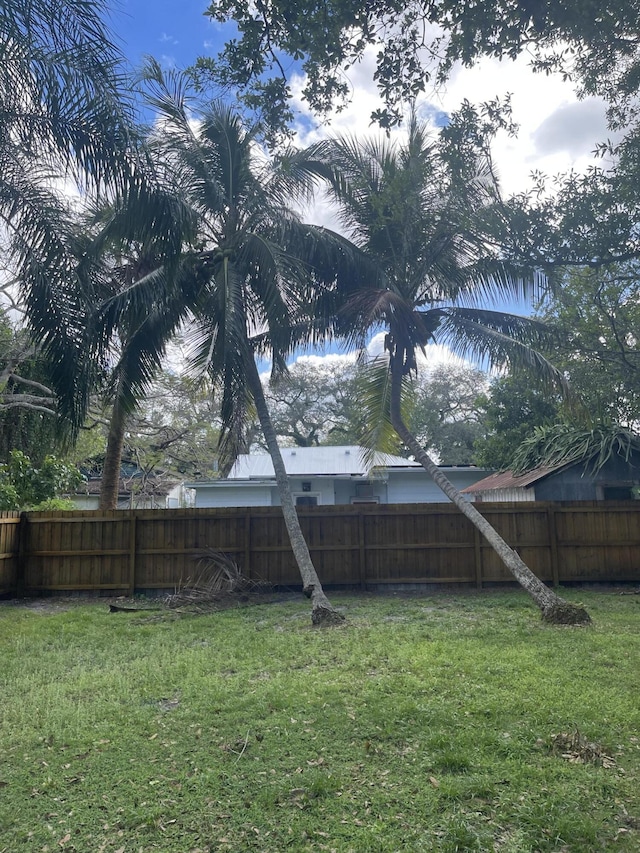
{"points": [[365, 545], [9, 551]]}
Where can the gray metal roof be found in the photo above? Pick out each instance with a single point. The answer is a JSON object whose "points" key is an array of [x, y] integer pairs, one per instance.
{"points": [[318, 461]]}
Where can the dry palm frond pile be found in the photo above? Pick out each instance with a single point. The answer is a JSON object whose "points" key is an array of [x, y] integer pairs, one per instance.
{"points": [[216, 581], [575, 747]]}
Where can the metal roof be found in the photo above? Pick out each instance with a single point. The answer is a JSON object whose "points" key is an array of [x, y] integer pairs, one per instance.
{"points": [[315, 461], [507, 480]]}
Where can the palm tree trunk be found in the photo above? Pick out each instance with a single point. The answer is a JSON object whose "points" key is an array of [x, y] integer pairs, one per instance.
{"points": [[554, 608], [323, 612], [109, 487]]}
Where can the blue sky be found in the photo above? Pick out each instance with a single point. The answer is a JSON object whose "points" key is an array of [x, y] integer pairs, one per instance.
{"points": [[176, 33]]}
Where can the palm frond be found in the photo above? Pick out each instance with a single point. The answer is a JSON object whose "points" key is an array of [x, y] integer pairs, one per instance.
{"points": [[499, 339], [61, 89], [559, 444], [373, 386]]}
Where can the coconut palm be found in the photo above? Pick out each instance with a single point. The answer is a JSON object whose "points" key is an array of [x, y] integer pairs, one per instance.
{"points": [[246, 281], [418, 216]]}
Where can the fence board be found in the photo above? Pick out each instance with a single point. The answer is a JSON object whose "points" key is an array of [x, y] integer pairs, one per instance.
{"points": [[363, 545], [9, 551]]}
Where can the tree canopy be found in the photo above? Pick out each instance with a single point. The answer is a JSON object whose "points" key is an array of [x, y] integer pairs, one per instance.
{"points": [[512, 408], [557, 444], [418, 43], [596, 314], [584, 217], [25, 486]]}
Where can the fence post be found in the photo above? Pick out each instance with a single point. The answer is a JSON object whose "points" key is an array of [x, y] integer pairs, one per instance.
{"points": [[553, 544], [21, 565], [477, 548], [362, 553], [132, 553], [246, 569]]}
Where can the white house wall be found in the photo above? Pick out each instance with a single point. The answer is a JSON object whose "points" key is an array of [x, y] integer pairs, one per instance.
{"points": [[258, 495], [321, 488], [345, 491], [82, 502], [418, 487], [401, 486]]}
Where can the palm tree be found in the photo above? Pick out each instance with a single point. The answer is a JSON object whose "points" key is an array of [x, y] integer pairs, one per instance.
{"points": [[419, 219], [137, 331], [65, 121], [63, 116], [245, 281]]}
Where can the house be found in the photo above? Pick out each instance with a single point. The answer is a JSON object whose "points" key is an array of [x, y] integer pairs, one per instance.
{"points": [[618, 479], [325, 476], [136, 490]]}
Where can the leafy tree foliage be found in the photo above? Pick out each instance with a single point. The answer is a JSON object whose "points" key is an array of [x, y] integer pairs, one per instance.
{"points": [[445, 415], [27, 404], [23, 486], [419, 42], [173, 432], [597, 316], [582, 218], [316, 403], [321, 404], [511, 410]]}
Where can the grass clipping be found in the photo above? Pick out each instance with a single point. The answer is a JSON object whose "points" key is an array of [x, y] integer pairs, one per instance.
{"points": [[216, 583]]}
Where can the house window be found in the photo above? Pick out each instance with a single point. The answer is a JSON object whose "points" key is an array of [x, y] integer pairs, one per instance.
{"points": [[365, 494], [364, 490], [306, 500]]}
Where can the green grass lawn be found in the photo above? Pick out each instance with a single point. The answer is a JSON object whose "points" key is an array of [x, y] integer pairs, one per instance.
{"points": [[425, 723]]}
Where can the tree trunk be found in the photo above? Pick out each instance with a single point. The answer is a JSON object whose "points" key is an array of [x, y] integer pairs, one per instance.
{"points": [[554, 608], [110, 485], [323, 612]]}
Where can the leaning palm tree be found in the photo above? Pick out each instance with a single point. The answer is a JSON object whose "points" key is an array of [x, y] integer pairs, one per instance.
{"points": [[418, 218], [247, 279]]}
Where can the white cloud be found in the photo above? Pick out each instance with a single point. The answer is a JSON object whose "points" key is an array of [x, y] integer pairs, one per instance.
{"points": [[329, 359], [557, 131], [434, 355], [572, 128]]}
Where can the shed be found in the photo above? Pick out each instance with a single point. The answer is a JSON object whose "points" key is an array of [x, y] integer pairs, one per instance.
{"points": [[618, 479]]}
